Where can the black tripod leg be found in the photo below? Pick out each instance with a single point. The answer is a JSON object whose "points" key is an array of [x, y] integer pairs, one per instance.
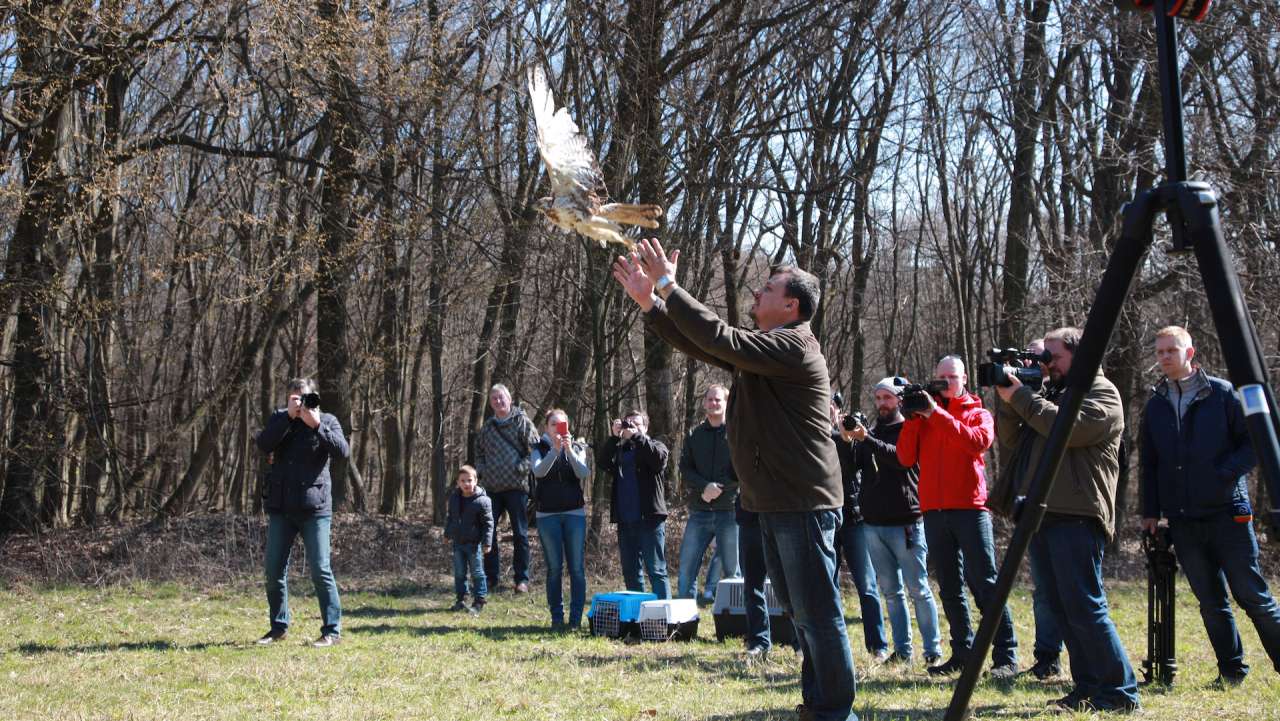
{"points": [[1103, 315]]}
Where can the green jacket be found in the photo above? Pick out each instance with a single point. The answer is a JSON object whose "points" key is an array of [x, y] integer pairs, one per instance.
{"points": [[1086, 481], [778, 418], [704, 459]]}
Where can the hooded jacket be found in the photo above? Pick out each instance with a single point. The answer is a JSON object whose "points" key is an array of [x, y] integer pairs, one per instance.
{"points": [[778, 416], [949, 447], [472, 523], [1086, 480], [1195, 465]]}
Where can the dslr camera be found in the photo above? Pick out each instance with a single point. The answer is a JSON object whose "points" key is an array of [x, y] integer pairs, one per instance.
{"points": [[853, 420], [311, 400], [995, 373]]}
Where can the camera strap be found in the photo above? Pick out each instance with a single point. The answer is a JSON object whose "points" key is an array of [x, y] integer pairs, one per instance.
{"points": [[522, 452]]}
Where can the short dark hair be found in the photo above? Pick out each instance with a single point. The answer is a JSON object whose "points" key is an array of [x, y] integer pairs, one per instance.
{"points": [[297, 384], [1069, 337], [801, 285], [644, 417]]}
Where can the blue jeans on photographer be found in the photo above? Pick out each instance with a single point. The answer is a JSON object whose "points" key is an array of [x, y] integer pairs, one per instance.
{"points": [[281, 530], [900, 557], [1217, 553], [800, 553], [702, 528], [1069, 553], [469, 556], [515, 503], [564, 538], [853, 548], [644, 541]]}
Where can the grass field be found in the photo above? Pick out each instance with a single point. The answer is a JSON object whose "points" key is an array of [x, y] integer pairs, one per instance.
{"points": [[169, 651]]}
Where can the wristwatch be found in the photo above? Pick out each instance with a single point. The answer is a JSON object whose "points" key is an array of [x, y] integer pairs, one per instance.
{"points": [[664, 282]]}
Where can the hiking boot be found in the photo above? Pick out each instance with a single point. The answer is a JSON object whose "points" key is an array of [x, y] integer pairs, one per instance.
{"points": [[272, 637]]}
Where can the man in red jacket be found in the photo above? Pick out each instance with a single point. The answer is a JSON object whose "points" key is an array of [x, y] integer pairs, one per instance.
{"points": [[948, 441]]}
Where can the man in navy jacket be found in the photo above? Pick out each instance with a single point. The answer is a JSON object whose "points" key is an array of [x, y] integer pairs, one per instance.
{"points": [[299, 440], [1196, 457]]}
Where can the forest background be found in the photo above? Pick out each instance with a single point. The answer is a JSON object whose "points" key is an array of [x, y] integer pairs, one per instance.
{"points": [[202, 198]]}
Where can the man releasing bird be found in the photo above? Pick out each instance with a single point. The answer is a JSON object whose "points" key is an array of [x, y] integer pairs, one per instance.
{"points": [[579, 200]]}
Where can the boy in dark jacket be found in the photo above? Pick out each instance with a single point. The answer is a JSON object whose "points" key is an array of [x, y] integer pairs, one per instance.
{"points": [[470, 527]]}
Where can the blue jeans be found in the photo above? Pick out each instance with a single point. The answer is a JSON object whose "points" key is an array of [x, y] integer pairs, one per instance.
{"points": [[754, 573], [1069, 553], [800, 553], [464, 555], [714, 573], [963, 537], [564, 538], [704, 526], [515, 504], [1048, 638], [644, 542], [281, 530], [853, 546], [899, 555], [1217, 553]]}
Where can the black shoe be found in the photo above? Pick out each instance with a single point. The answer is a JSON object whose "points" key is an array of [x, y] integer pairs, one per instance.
{"points": [[327, 640], [756, 655], [458, 605], [1070, 702], [955, 665], [272, 637], [1229, 680], [1044, 670], [477, 606], [1007, 672]]}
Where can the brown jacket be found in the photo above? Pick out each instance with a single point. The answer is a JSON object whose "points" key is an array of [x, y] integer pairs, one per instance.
{"points": [[1086, 481], [778, 420]]}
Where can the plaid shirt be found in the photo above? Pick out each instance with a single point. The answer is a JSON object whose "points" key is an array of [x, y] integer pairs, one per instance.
{"points": [[501, 466]]}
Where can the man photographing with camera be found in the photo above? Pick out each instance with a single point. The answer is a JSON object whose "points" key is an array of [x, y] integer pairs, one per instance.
{"points": [[782, 451], [948, 439], [1078, 523], [300, 440]]}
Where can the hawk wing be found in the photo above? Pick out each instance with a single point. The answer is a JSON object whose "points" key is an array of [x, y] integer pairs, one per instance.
{"points": [[570, 163]]}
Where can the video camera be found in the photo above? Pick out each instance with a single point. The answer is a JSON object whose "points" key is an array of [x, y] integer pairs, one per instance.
{"points": [[915, 396], [995, 373]]}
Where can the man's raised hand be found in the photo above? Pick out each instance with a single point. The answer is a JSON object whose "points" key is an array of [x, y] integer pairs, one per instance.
{"points": [[654, 261], [632, 278]]}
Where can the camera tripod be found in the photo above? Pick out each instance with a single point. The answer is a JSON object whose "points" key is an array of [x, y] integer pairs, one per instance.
{"points": [[1192, 212]]}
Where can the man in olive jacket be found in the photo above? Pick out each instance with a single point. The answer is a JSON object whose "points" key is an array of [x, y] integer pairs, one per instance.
{"points": [[1079, 522], [780, 444], [300, 440]]}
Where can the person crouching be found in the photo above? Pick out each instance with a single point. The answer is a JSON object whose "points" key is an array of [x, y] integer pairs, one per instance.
{"points": [[470, 527]]}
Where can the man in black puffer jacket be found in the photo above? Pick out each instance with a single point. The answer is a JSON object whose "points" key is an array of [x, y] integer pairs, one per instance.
{"points": [[299, 440]]}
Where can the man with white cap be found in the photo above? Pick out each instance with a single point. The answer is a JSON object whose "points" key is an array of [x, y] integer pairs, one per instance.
{"points": [[893, 529]]}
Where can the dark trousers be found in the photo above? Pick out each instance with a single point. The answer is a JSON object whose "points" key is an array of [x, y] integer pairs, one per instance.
{"points": [[959, 540], [1069, 554], [1217, 554], [514, 504], [754, 573]]}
